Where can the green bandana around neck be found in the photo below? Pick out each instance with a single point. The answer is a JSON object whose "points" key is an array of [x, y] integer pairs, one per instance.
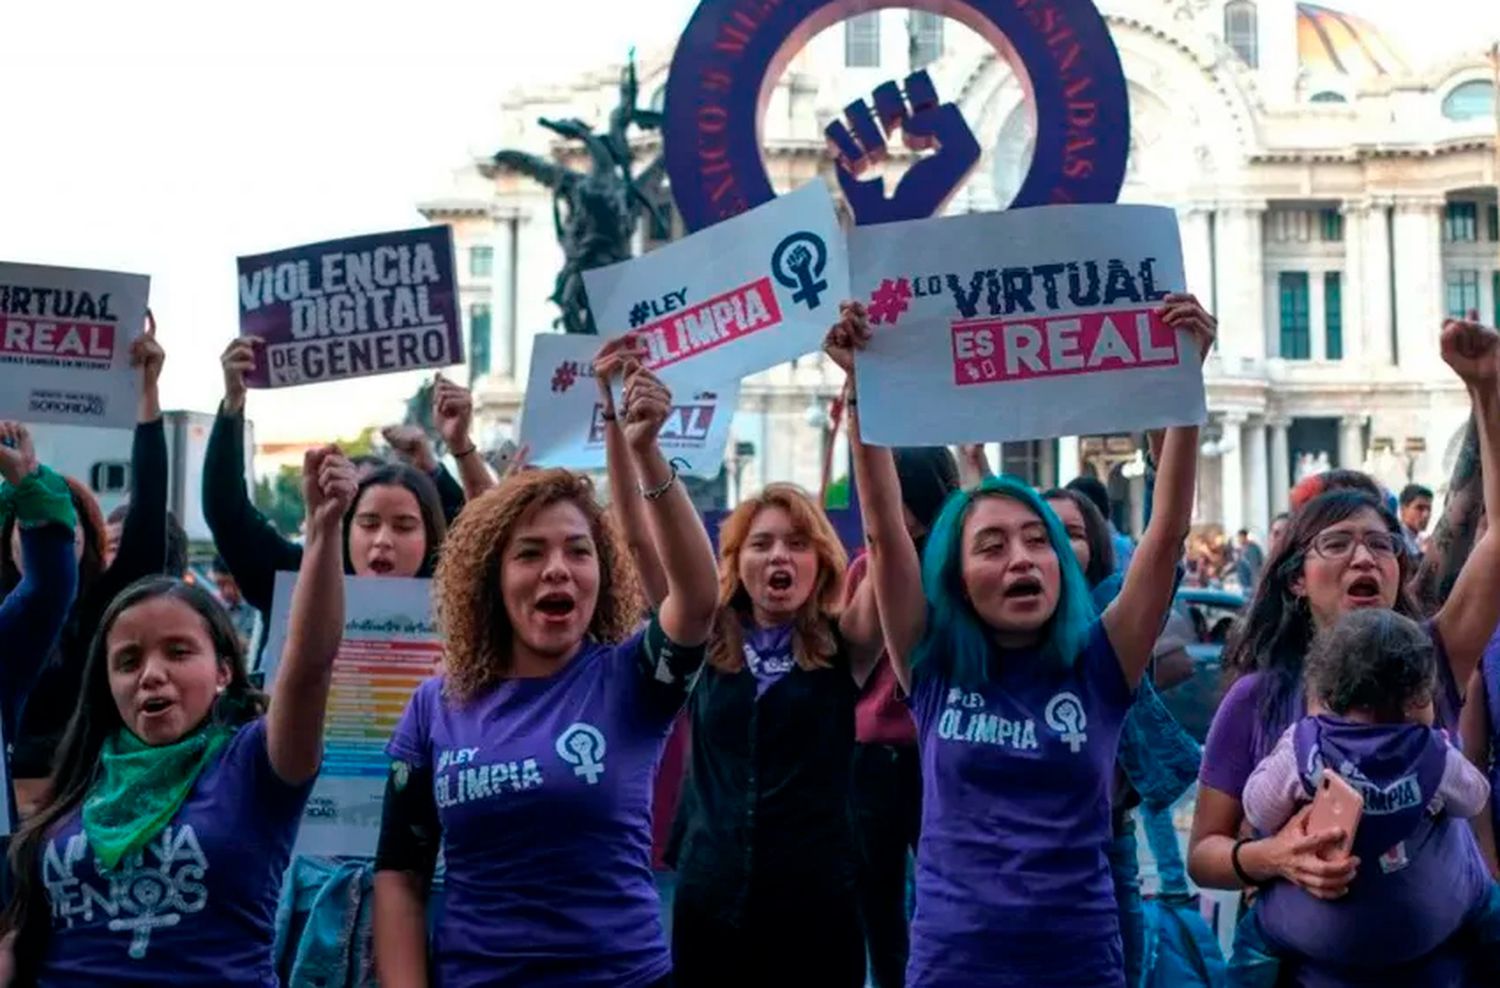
{"points": [[140, 787]]}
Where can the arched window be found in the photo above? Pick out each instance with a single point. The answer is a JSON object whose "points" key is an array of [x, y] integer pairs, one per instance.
{"points": [[1329, 96], [1240, 31], [1470, 101]]}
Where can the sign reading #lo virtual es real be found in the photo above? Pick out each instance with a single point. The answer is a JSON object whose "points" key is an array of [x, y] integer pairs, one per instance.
{"points": [[1026, 324]]}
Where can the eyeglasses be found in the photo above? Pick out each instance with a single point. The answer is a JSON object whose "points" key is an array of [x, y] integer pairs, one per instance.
{"points": [[1340, 545]]}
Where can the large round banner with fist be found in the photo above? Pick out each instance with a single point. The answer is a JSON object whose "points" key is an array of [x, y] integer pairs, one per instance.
{"points": [[733, 52]]}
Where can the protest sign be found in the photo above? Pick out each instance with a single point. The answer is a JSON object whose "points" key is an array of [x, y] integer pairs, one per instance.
{"points": [[390, 646], [562, 421], [1024, 324], [378, 304], [65, 336], [744, 295]]}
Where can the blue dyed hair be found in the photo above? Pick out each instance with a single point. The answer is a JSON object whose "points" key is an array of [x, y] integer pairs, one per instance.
{"points": [[957, 644]]}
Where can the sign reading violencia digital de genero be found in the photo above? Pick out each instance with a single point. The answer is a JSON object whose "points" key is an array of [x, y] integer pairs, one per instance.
{"points": [[376, 304], [733, 50]]}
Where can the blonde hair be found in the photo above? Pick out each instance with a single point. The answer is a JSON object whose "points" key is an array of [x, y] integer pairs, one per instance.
{"points": [[471, 613], [813, 642]]}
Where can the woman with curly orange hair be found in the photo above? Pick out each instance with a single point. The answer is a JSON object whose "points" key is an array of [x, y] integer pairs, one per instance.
{"points": [[530, 760], [765, 890]]}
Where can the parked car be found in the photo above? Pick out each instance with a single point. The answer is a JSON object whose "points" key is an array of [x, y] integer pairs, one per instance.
{"points": [[1192, 688]]}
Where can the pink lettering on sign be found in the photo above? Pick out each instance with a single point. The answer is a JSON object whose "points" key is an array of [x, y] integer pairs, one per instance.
{"points": [[990, 350], [50, 338], [729, 317], [685, 424]]}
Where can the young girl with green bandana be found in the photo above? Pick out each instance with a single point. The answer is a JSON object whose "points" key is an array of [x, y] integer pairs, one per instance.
{"points": [[33, 613], [158, 855]]}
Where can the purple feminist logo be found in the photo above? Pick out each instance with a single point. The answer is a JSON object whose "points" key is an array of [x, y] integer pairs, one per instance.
{"points": [[733, 50]]}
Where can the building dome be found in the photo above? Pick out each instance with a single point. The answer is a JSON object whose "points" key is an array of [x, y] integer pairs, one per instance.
{"points": [[1332, 42]]}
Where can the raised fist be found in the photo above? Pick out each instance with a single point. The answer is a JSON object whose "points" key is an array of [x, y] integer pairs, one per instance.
{"points": [[925, 124]]}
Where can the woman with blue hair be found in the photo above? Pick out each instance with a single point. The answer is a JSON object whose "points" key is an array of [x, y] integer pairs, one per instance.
{"points": [[1019, 693]]}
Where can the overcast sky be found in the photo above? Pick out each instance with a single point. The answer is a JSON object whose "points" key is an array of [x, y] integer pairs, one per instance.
{"points": [[170, 137]]}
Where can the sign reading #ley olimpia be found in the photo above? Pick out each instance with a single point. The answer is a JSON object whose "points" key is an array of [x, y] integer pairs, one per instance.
{"points": [[733, 51]]}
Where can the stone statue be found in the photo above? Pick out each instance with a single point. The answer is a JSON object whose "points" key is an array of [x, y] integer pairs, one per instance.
{"points": [[596, 211]]}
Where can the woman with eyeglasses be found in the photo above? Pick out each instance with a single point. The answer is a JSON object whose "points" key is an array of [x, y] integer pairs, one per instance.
{"points": [[1342, 552]]}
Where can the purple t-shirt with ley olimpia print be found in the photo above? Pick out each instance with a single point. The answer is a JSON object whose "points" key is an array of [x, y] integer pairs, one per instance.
{"points": [[198, 905], [543, 788], [1013, 882]]}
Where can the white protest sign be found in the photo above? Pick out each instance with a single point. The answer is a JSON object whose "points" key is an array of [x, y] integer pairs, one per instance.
{"points": [[390, 646], [65, 336], [743, 295], [1025, 324], [563, 420]]}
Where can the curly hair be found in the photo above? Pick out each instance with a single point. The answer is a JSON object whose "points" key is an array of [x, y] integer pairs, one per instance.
{"points": [[813, 642], [1375, 660], [471, 611]]}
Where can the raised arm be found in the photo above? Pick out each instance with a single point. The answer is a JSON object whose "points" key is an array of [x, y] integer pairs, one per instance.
{"points": [[143, 538], [973, 464], [687, 611], [453, 411], [299, 701], [32, 614], [1133, 621], [1469, 616], [624, 491], [895, 570], [248, 543]]}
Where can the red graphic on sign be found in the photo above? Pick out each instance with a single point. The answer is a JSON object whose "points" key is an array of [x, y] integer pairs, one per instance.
{"points": [[1021, 349], [50, 338], [685, 425], [724, 319]]}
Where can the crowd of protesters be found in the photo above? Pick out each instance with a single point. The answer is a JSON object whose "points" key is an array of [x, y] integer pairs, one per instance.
{"points": [[977, 691]]}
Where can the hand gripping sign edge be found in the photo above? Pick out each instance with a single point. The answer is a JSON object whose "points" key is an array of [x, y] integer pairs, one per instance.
{"points": [[733, 51]]}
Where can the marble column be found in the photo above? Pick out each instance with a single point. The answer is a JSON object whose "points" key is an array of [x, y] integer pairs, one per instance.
{"points": [[1352, 298], [1195, 223], [1241, 301], [1069, 465], [1258, 502], [1231, 473], [1418, 247], [1373, 328], [1352, 442], [1281, 465]]}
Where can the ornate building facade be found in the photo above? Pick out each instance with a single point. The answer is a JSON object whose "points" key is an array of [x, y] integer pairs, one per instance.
{"points": [[1336, 203]]}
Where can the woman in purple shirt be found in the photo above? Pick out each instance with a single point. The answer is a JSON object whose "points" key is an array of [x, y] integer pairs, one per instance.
{"points": [[529, 763], [1342, 552], [158, 854], [1019, 694]]}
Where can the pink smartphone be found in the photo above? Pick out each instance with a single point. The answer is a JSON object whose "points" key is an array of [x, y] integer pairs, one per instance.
{"points": [[1339, 805]]}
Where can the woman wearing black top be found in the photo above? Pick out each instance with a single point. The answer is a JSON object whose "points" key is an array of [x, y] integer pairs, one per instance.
{"points": [[142, 552], [394, 527], [765, 892]]}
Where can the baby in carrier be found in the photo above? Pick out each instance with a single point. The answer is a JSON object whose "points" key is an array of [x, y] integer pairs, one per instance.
{"points": [[1422, 905]]}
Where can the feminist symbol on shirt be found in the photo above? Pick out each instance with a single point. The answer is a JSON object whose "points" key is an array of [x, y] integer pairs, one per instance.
{"points": [[147, 895], [582, 746], [1065, 715]]}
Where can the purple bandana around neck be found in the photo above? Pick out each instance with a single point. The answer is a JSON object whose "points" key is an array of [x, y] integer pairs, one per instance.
{"points": [[768, 655]]}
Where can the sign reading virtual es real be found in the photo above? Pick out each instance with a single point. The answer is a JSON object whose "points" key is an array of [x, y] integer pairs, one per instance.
{"points": [[65, 337], [1025, 324]]}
